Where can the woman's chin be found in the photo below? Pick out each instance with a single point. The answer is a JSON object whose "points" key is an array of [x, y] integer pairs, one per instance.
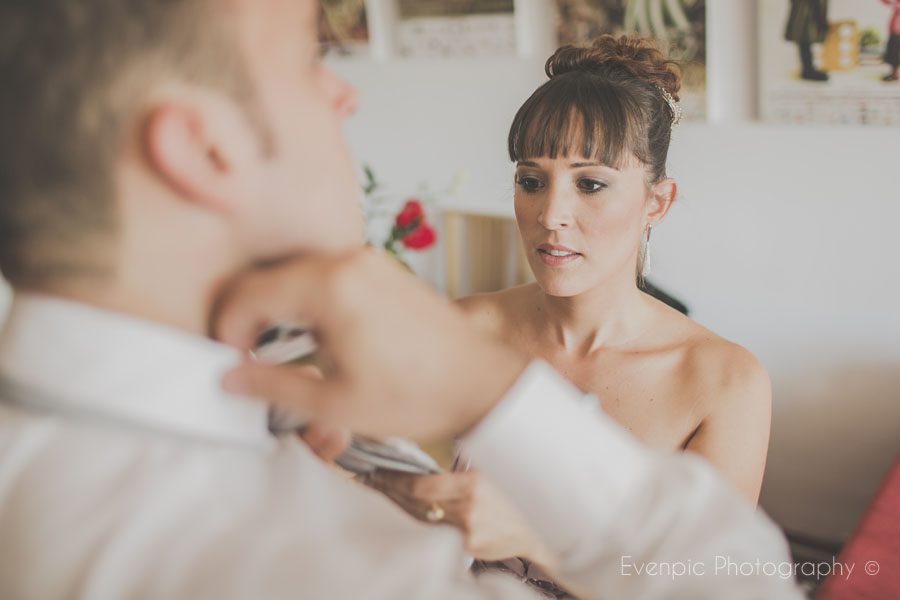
{"points": [[561, 287]]}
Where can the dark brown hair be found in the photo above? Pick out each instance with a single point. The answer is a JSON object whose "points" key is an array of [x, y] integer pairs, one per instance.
{"points": [[73, 77], [604, 101]]}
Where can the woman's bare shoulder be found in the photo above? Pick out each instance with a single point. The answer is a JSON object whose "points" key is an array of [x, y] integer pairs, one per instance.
{"points": [[708, 365], [493, 311], [723, 372]]}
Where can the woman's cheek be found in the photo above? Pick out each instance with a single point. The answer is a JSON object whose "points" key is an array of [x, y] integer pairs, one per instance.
{"points": [[526, 219], [609, 235]]}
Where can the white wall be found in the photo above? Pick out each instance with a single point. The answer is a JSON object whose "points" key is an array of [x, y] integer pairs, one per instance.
{"points": [[783, 242]]}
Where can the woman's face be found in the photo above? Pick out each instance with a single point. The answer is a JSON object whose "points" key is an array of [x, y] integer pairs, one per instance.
{"points": [[581, 222]]}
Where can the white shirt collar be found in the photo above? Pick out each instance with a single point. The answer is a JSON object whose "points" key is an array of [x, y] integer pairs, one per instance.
{"points": [[80, 359]]}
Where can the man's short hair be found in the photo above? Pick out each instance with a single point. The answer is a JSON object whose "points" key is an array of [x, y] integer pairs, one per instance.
{"points": [[74, 75]]}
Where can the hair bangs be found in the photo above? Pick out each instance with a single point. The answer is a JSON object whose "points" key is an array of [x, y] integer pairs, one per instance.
{"points": [[568, 116]]}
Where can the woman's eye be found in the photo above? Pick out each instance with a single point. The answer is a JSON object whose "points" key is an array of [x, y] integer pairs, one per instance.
{"points": [[530, 184], [591, 186]]}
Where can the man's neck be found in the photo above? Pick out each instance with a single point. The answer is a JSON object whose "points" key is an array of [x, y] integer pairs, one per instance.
{"points": [[184, 302]]}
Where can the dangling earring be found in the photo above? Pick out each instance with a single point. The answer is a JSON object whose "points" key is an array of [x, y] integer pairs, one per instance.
{"points": [[645, 262]]}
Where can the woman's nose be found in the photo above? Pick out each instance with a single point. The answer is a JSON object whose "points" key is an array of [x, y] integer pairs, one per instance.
{"points": [[555, 213]]}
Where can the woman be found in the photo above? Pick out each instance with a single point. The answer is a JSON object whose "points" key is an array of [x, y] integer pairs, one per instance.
{"points": [[590, 149]]}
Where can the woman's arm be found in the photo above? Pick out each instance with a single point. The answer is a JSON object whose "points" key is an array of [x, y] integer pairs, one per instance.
{"points": [[734, 436]]}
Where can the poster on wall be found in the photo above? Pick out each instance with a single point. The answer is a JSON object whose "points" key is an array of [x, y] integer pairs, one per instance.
{"points": [[830, 61], [344, 27], [678, 26], [448, 28]]}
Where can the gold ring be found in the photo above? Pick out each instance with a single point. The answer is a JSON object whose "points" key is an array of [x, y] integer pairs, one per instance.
{"points": [[435, 514]]}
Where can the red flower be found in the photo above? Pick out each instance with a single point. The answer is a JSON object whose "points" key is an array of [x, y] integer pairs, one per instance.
{"points": [[411, 214], [422, 238]]}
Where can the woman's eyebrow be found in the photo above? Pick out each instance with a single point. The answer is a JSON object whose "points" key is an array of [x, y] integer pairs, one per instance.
{"points": [[575, 165], [579, 165]]}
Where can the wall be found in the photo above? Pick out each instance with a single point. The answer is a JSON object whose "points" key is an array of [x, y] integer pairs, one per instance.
{"points": [[783, 241]]}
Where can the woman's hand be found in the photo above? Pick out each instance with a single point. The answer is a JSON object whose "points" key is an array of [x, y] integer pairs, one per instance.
{"points": [[491, 526]]}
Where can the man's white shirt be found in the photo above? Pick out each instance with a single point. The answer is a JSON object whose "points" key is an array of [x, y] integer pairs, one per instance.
{"points": [[126, 472]]}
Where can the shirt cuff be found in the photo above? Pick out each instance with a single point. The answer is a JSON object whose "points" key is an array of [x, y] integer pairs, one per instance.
{"points": [[566, 465]]}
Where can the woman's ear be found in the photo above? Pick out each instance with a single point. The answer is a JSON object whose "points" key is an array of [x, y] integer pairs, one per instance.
{"points": [[193, 150], [662, 195]]}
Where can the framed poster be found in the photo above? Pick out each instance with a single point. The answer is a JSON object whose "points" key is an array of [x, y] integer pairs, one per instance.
{"points": [[678, 26], [830, 61], [344, 27], [430, 28]]}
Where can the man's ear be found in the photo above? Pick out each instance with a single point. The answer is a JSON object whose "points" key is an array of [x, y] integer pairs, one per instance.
{"points": [[195, 153], [662, 195]]}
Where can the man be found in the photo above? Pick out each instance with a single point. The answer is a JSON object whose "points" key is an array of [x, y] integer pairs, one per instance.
{"points": [[151, 150]]}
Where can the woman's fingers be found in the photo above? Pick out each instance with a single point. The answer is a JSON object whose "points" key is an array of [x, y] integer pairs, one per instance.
{"points": [[420, 494], [425, 488], [456, 511], [445, 486], [396, 486]]}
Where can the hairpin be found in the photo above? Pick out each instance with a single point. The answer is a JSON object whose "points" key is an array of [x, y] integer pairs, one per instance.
{"points": [[674, 107]]}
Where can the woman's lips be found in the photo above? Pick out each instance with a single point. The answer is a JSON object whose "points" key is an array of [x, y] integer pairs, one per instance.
{"points": [[557, 256]]}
